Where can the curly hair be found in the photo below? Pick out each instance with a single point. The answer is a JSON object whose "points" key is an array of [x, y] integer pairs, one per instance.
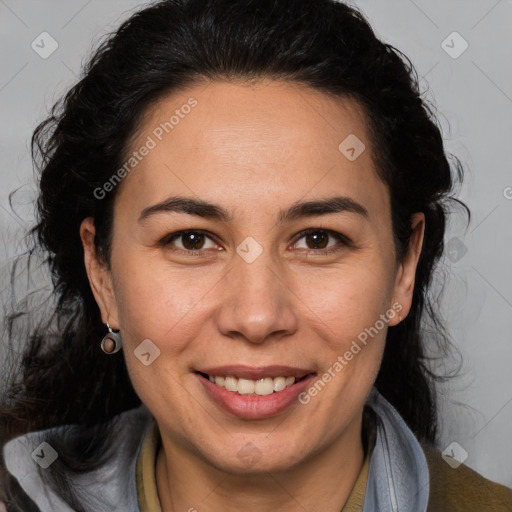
{"points": [[323, 44]]}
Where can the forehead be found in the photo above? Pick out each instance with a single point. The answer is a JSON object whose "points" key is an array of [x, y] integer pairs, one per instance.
{"points": [[253, 144]]}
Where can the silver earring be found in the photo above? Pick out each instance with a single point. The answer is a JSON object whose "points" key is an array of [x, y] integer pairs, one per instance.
{"points": [[112, 341]]}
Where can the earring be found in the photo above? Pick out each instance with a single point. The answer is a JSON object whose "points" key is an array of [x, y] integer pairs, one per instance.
{"points": [[112, 342]]}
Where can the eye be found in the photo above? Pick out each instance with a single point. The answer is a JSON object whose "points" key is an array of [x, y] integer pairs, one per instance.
{"points": [[319, 238], [192, 241]]}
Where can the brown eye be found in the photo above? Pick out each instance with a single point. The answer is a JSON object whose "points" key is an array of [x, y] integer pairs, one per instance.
{"points": [[191, 242], [317, 240]]}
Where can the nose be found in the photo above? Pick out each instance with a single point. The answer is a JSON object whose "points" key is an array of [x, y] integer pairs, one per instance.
{"points": [[258, 303]]}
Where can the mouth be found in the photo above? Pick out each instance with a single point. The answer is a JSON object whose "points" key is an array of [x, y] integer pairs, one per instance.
{"points": [[253, 393]]}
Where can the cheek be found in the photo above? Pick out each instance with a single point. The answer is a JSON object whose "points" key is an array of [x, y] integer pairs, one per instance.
{"points": [[348, 300], [350, 312], [351, 321], [155, 303], [165, 310]]}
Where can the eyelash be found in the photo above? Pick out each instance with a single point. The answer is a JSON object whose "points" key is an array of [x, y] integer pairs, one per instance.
{"points": [[168, 239]]}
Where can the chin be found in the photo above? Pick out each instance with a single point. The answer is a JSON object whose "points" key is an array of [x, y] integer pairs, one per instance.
{"points": [[253, 458]]}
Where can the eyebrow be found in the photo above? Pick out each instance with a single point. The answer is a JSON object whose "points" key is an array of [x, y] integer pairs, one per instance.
{"points": [[204, 209]]}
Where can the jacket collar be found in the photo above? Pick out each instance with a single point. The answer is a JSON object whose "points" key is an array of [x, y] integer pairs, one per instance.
{"points": [[398, 478], [111, 487]]}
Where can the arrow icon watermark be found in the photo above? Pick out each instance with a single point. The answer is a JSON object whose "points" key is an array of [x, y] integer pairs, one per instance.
{"points": [[147, 352], [351, 147], [45, 455]]}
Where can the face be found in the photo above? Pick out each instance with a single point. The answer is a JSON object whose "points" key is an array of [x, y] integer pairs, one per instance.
{"points": [[291, 275]]}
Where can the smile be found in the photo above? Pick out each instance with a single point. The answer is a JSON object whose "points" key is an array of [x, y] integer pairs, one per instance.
{"points": [[254, 393]]}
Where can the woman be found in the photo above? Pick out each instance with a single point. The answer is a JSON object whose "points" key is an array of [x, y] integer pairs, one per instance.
{"points": [[251, 197]]}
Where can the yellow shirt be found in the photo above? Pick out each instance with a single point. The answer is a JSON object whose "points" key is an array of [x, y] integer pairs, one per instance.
{"points": [[146, 480], [146, 464]]}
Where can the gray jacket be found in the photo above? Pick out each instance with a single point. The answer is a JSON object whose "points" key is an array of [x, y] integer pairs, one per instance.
{"points": [[398, 478]]}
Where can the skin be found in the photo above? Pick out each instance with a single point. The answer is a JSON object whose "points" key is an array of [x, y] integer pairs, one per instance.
{"points": [[254, 149]]}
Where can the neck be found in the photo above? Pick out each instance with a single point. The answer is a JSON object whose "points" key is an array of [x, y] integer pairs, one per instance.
{"points": [[322, 482]]}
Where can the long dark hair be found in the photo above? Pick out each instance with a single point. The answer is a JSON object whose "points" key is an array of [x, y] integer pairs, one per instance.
{"points": [[324, 44]]}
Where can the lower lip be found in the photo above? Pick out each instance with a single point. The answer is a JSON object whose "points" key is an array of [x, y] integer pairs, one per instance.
{"points": [[251, 406]]}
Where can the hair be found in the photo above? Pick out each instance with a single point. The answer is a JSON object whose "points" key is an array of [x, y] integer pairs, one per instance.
{"points": [[172, 44]]}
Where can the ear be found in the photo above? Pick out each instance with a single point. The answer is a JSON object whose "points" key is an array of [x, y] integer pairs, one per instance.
{"points": [[100, 277], [405, 277]]}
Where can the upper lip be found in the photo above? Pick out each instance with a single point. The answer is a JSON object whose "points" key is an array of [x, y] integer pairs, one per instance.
{"points": [[255, 372]]}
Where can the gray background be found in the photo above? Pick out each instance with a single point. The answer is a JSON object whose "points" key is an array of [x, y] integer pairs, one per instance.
{"points": [[473, 94]]}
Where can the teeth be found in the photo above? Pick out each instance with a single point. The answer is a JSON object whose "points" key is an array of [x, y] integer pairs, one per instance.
{"points": [[245, 387], [279, 383], [230, 383], [261, 387], [264, 386]]}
